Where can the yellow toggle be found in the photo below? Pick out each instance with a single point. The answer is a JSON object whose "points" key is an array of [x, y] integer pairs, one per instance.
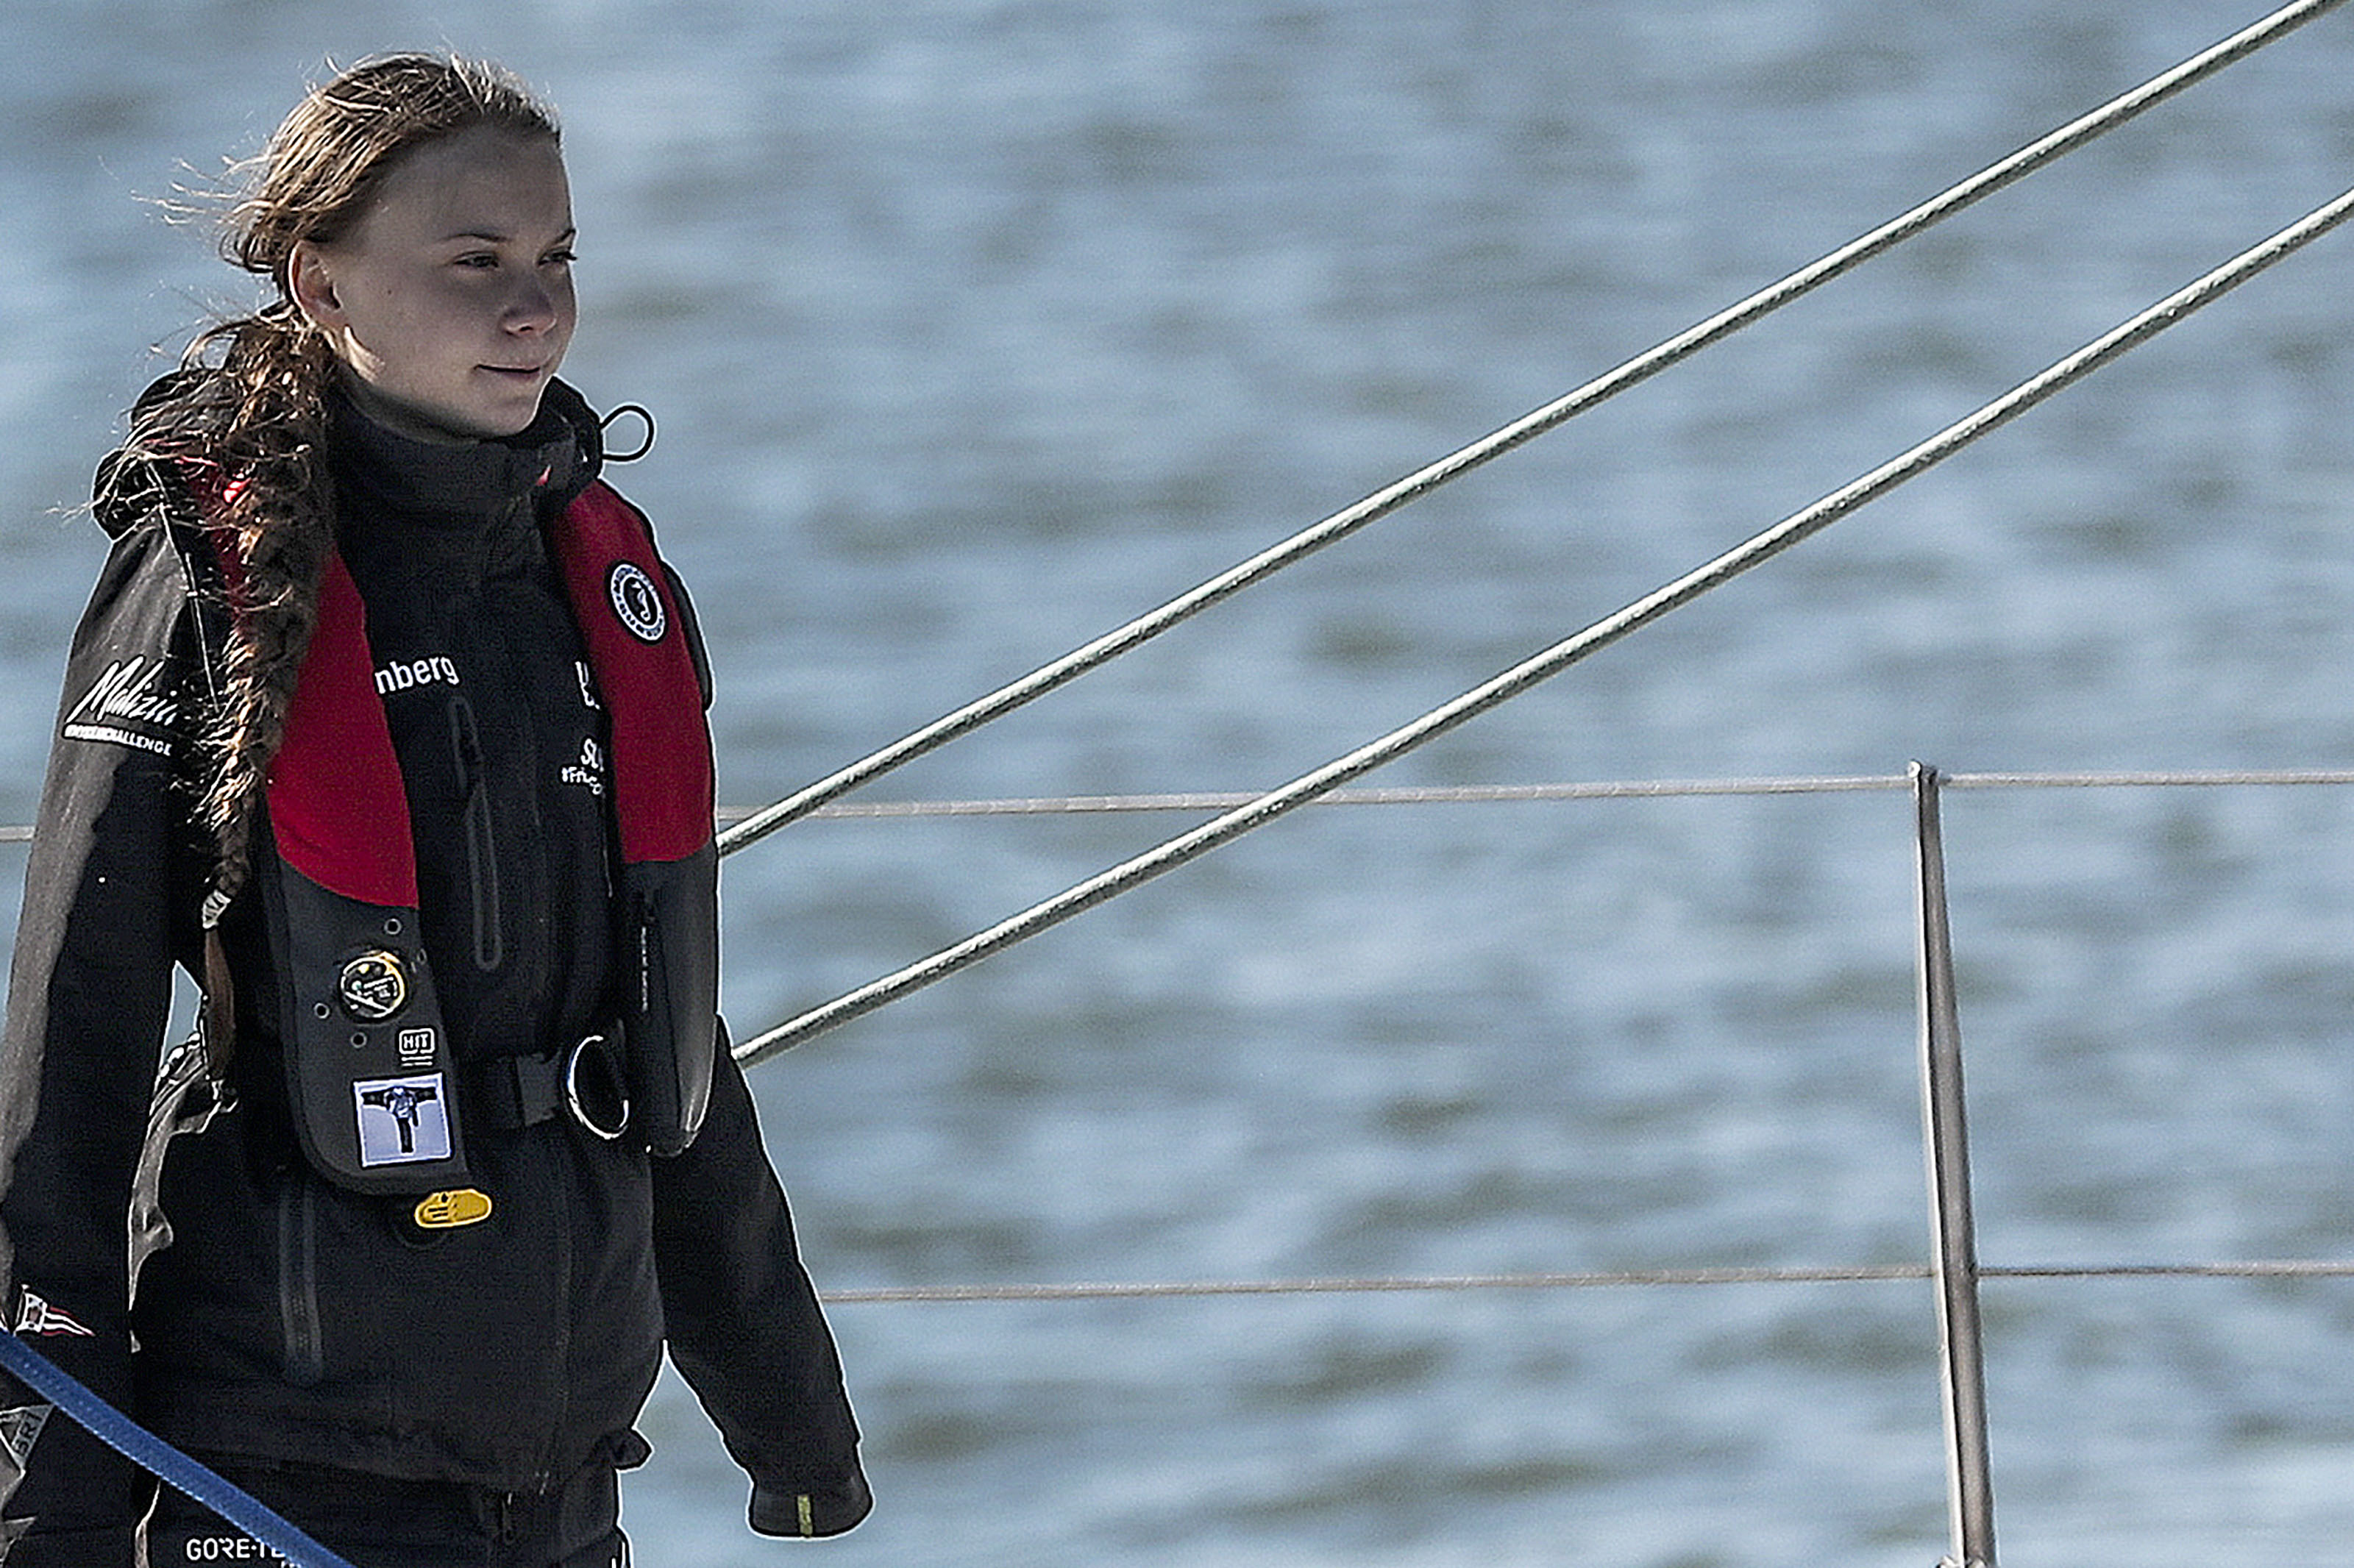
{"points": [[449, 1210]]}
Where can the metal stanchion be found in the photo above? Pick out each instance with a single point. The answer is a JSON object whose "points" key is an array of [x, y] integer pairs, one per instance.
{"points": [[1945, 1135]]}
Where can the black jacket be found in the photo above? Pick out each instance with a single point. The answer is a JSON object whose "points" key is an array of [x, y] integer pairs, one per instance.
{"points": [[289, 1317]]}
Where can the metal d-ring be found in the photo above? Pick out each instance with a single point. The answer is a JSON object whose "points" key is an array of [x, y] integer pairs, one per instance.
{"points": [[604, 1109]]}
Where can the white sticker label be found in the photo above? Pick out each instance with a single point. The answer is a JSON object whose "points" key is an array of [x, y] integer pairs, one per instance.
{"points": [[402, 1120]]}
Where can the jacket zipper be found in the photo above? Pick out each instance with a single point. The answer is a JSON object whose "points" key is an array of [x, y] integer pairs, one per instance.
{"points": [[298, 1280], [481, 858]]}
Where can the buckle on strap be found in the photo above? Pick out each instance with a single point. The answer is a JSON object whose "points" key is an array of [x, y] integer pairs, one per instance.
{"points": [[586, 1083], [515, 1092]]}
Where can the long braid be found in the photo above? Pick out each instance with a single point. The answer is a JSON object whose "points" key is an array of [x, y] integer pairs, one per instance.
{"points": [[250, 429], [244, 425]]}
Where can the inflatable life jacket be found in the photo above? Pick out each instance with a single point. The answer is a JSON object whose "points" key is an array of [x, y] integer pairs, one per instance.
{"points": [[375, 1093]]}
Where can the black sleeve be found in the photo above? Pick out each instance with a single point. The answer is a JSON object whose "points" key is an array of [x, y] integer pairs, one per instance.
{"points": [[694, 647], [744, 1323], [109, 903]]}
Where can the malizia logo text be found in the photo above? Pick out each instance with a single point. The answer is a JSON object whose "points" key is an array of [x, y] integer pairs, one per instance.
{"points": [[131, 705]]}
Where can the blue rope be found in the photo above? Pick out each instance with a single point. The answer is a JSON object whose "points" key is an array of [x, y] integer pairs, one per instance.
{"points": [[151, 1454]]}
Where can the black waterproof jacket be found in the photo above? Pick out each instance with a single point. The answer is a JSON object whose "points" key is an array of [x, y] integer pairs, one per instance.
{"points": [[288, 1317]]}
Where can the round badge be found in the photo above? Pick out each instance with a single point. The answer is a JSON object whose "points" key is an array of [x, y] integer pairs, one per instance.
{"points": [[637, 602], [374, 985]]}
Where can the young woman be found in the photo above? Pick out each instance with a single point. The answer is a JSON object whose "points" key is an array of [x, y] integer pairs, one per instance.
{"points": [[385, 722]]}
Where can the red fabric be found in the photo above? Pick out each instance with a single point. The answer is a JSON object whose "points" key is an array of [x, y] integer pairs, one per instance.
{"points": [[335, 781], [336, 805], [661, 750]]}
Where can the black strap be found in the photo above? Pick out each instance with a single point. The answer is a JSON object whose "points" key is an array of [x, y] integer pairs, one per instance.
{"points": [[510, 1093]]}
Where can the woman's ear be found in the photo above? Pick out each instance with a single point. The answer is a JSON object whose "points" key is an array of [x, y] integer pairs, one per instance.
{"points": [[310, 277]]}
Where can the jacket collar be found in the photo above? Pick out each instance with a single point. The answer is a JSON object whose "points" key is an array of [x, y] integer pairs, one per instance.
{"points": [[407, 504]]}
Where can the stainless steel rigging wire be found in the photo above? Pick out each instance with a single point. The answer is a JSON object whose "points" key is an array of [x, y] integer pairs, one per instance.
{"points": [[1382, 502], [1754, 550], [1583, 1279], [1204, 800]]}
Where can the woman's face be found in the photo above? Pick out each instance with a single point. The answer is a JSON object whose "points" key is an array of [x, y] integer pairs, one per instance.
{"points": [[450, 303]]}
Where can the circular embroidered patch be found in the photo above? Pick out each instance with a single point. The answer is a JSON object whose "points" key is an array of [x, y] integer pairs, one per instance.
{"points": [[374, 985], [637, 602]]}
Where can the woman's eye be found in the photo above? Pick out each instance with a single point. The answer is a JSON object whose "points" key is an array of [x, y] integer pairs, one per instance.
{"points": [[559, 258]]}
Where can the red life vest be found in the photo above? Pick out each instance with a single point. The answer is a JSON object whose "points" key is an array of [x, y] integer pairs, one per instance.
{"points": [[336, 780], [377, 1101]]}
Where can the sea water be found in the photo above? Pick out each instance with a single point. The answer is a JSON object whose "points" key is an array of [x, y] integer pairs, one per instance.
{"points": [[974, 327]]}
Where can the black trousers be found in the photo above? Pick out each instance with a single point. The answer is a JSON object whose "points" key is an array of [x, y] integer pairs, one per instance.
{"points": [[377, 1523]]}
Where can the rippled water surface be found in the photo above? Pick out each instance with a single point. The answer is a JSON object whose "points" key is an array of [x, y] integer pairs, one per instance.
{"points": [[974, 328]]}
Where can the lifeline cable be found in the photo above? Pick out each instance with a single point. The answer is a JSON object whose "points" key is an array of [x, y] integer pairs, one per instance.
{"points": [[1208, 801], [151, 1454], [1382, 502], [1581, 1279], [1752, 552]]}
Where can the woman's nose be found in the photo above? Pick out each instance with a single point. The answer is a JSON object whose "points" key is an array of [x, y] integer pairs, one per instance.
{"points": [[531, 307]]}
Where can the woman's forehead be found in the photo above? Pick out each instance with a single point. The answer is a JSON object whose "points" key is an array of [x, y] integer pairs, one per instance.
{"points": [[483, 181]]}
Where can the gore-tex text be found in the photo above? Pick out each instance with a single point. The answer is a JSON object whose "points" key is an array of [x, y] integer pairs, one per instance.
{"points": [[230, 1549]]}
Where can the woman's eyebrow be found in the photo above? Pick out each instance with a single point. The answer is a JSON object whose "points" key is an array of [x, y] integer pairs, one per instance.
{"points": [[497, 237]]}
